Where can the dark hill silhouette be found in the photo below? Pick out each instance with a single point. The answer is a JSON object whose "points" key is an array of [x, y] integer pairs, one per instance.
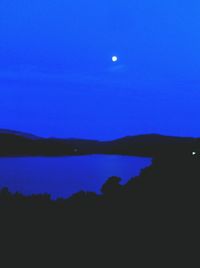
{"points": [[18, 144], [154, 218], [18, 133], [154, 145]]}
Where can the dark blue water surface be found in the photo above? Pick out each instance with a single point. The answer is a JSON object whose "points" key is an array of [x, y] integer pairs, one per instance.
{"points": [[63, 176]]}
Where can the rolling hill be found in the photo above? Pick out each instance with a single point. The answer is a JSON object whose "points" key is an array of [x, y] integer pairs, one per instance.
{"points": [[13, 143]]}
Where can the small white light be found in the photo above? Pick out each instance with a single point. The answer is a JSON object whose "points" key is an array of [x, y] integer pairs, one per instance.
{"points": [[114, 58], [75, 150], [194, 153]]}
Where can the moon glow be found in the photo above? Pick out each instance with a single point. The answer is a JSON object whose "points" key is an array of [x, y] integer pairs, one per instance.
{"points": [[114, 58]]}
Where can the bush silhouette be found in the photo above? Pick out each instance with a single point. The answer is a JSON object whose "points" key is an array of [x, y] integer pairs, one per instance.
{"points": [[111, 186]]}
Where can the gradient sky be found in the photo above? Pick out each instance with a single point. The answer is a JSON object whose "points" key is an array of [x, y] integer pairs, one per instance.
{"points": [[57, 77]]}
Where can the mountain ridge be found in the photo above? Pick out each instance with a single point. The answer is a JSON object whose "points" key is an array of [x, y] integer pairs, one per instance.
{"points": [[16, 143]]}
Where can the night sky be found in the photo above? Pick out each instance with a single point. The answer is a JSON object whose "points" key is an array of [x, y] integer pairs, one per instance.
{"points": [[57, 77]]}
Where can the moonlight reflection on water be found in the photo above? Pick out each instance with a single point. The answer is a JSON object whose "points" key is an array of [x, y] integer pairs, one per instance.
{"points": [[63, 176]]}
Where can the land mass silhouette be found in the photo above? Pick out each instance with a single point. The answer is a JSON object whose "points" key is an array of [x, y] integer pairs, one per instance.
{"points": [[153, 218], [13, 143]]}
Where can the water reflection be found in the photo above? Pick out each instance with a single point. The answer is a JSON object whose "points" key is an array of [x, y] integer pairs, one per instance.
{"points": [[63, 176]]}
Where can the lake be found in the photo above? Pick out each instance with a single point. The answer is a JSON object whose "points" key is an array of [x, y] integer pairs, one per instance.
{"points": [[64, 176]]}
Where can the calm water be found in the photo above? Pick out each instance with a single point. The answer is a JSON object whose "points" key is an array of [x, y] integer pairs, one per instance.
{"points": [[63, 176]]}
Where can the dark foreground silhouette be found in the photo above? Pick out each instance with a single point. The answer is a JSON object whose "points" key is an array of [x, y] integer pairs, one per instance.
{"points": [[153, 220]]}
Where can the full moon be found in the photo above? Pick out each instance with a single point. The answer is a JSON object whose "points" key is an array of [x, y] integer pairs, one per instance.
{"points": [[114, 58]]}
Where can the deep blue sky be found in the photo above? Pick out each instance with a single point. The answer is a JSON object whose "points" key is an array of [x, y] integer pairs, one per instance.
{"points": [[57, 77]]}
